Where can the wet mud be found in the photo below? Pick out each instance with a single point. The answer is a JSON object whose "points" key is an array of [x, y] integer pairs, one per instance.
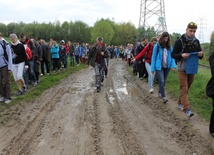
{"points": [[122, 119]]}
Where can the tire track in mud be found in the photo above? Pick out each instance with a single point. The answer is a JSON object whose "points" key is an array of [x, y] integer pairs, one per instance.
{"points": [[121, 125], [96, 129], [21, 142], [179, 130], [172, 127]]}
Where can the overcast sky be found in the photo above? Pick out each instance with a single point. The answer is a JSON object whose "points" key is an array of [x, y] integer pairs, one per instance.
{"points": [[178, 13]]}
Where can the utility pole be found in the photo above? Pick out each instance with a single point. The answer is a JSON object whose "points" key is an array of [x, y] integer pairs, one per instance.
{"points": [[152, 14]]}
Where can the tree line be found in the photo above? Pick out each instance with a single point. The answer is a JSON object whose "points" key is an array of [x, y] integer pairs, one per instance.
{"points": [[78, 31]]}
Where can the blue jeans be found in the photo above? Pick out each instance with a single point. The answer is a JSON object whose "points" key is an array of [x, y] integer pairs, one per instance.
{"points": [[32, 72], [150, 75], [162, 75]]}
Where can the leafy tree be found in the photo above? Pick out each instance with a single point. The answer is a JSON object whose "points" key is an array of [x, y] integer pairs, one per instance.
{"points": [[104, 29], [3, 29], [80, 32], [124, 33], [147, 33], [174, 37]]}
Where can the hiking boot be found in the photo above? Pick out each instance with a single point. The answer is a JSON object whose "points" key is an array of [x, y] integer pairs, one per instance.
{"points": [[19, 92], [165, 100], [180, 107], [2, 99], [7, 101], [189, 113], [151, 90]]}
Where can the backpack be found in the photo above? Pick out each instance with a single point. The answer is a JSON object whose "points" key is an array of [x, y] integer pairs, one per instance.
{"points": [[28, 51], [4, 44]]}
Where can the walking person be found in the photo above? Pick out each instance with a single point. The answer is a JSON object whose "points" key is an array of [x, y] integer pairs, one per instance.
{"points": [[141, 68], [96, 59], [19, 59], [187, 51], [162, 62], [147, 54], [5, 70], [210, 93]]}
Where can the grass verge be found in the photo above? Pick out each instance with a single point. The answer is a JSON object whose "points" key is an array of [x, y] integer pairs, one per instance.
{"points": [[45, 83]]}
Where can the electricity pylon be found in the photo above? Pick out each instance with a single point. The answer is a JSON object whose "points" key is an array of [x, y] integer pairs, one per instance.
{"points": [[152, 14], [201, 29]]}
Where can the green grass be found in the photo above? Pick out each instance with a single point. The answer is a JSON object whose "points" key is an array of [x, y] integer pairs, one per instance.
{"points": [[45, 83]]}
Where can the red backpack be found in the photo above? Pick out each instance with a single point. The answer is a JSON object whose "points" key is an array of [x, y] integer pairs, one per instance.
{"points": [[28, 51]]}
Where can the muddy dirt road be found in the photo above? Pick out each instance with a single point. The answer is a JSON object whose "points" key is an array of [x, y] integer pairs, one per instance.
{"points": [[123, 119]]}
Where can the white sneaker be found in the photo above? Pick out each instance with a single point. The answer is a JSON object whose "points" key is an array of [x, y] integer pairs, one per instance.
{"points": [[159, 95], [151, 90], [164, 99], [7, 101], [2, 99]]}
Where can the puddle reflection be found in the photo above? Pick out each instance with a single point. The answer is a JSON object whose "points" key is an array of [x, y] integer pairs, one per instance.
{"points": [[128, 90]]}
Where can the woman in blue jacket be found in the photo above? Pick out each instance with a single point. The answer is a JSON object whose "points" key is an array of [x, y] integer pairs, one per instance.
{"points": [[162, 62], [55, 55]]}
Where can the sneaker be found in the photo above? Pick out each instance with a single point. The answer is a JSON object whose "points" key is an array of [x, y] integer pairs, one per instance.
{"points": [[7, 101], [19, 92], [151, 90], [24, 89], [140, 78], [212, 134], [180, 107], [2, 99], [35, 84], [159, 95], [189, 113], [41, 74], [165, 100]]}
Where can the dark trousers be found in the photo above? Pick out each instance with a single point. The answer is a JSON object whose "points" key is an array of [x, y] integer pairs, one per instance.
{"points": [[56, 63], [212, 120], [5, 89], [46, 63], [144, 71], [140, 68], [77, 59]]}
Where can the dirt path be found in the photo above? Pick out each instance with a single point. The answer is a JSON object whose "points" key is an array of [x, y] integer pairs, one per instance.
{"points": [[71, 118]]}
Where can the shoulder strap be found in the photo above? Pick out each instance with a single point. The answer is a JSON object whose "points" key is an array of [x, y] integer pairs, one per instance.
{"points": [[3, 44], [183, 45]]}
